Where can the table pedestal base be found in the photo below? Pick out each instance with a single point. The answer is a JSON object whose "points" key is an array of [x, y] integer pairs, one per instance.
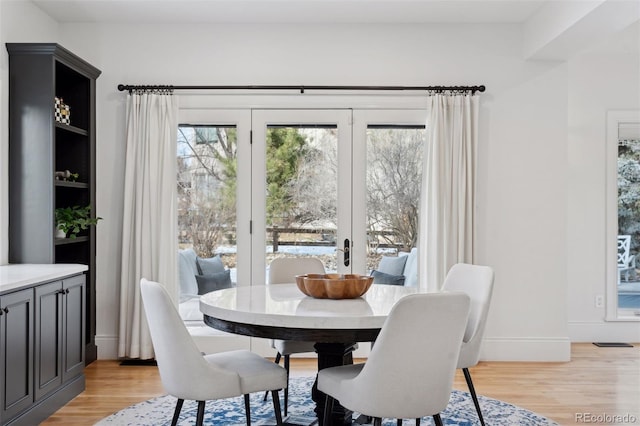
{"points": [[332, 355]]}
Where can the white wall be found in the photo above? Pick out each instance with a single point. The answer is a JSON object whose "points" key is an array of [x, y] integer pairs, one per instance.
{"points": [[19, 22], [525, 179]]}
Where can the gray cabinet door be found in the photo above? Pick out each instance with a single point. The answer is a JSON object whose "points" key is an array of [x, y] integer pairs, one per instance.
{"points": [[48, 338], [16, 353], [73, 348], [59, 333]]}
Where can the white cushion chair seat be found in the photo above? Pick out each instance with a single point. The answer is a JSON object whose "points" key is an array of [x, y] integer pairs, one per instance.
{"points": [[254, 372]]}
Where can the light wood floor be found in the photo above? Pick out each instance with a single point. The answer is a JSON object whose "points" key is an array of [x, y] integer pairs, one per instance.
{"points": [[599, 381]]}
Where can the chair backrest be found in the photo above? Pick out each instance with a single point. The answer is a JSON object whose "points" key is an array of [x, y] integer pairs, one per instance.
{"points": [[284, 269], [624, 250], [183, 370], [409, 372], [477, 282]]}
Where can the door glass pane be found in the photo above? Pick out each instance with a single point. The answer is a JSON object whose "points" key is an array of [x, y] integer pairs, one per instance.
{"points": [[394, 176], [302, 189], [628, 215], [206, 202]]}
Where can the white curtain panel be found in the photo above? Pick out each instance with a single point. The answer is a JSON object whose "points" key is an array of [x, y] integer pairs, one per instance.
{"points": [[448, 186], [149, 243]]}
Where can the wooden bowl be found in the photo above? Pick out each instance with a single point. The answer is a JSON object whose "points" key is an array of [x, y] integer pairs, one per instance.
{"points": [[334, 286]]}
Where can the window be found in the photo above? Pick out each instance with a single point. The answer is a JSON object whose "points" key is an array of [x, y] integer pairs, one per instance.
{"points": [[206, 169], [623, 240], [306, 182], [394, 179]]}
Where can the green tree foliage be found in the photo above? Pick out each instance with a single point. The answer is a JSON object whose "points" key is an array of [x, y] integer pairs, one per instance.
{"points": [[285, 149]]}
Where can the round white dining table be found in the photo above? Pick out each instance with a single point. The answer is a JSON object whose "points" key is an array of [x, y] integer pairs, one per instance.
{"points": [[282, 311]]}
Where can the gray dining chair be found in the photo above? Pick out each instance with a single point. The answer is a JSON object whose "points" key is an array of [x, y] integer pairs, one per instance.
{"points": [[477, 282], [283, 270], [409, 372], [187, 374]]}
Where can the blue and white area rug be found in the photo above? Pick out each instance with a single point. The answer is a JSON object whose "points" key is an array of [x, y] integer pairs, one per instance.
{"points": [[227, 412]]}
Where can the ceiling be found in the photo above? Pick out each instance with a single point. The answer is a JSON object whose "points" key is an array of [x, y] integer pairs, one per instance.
{"points": [[291, 11]]}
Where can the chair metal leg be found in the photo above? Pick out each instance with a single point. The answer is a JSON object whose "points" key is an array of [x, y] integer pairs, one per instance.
{"points": [[286, 390], [276, 406], [277, 361], [200, 416], [176, 413], [472, 391], [247, 409], [437, 420], [328, 409]]}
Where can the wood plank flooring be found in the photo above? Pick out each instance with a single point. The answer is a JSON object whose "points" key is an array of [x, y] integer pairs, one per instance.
{"points": [[597, 381]]}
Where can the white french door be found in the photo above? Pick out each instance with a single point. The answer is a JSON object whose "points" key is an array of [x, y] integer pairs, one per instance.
{"points": [[358, 181], [301, 187]]}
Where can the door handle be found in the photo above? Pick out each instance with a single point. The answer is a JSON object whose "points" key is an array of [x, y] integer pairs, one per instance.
{"points": [[347, 244]]}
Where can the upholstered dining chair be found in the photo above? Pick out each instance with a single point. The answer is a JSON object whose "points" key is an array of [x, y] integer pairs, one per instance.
{"points": [[283, 270], [477, 282], [187, 374], [409, 372]]}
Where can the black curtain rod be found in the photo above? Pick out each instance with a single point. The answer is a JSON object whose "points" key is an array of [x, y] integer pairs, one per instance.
{"points": [[302, 89]]}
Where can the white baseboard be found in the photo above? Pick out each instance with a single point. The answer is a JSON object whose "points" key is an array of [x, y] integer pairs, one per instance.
{"points": [[107, 347], [551, 349], [600, 331]]}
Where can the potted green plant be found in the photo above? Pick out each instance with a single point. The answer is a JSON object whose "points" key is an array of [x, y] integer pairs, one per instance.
{"points": [[72, 220]]}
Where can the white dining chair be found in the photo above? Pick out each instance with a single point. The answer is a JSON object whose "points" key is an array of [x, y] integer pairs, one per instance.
{"points": [[187, 374], [283, 270], [409, 372], [477, 282]]}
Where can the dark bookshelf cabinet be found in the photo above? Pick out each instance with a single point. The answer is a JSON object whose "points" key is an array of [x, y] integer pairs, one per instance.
{"points": [[39, 146]]}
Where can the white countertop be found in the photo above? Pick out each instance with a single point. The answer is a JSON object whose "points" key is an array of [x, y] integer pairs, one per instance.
{"points": [[284, 305], [16, 276]]}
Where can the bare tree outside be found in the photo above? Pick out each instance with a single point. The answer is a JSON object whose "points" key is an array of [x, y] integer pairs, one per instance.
{"points": [[206, 186], [314, 190], [394, 174]]}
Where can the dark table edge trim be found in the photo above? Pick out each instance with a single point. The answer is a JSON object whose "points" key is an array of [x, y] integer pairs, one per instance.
{"points": [[290, 333]]}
